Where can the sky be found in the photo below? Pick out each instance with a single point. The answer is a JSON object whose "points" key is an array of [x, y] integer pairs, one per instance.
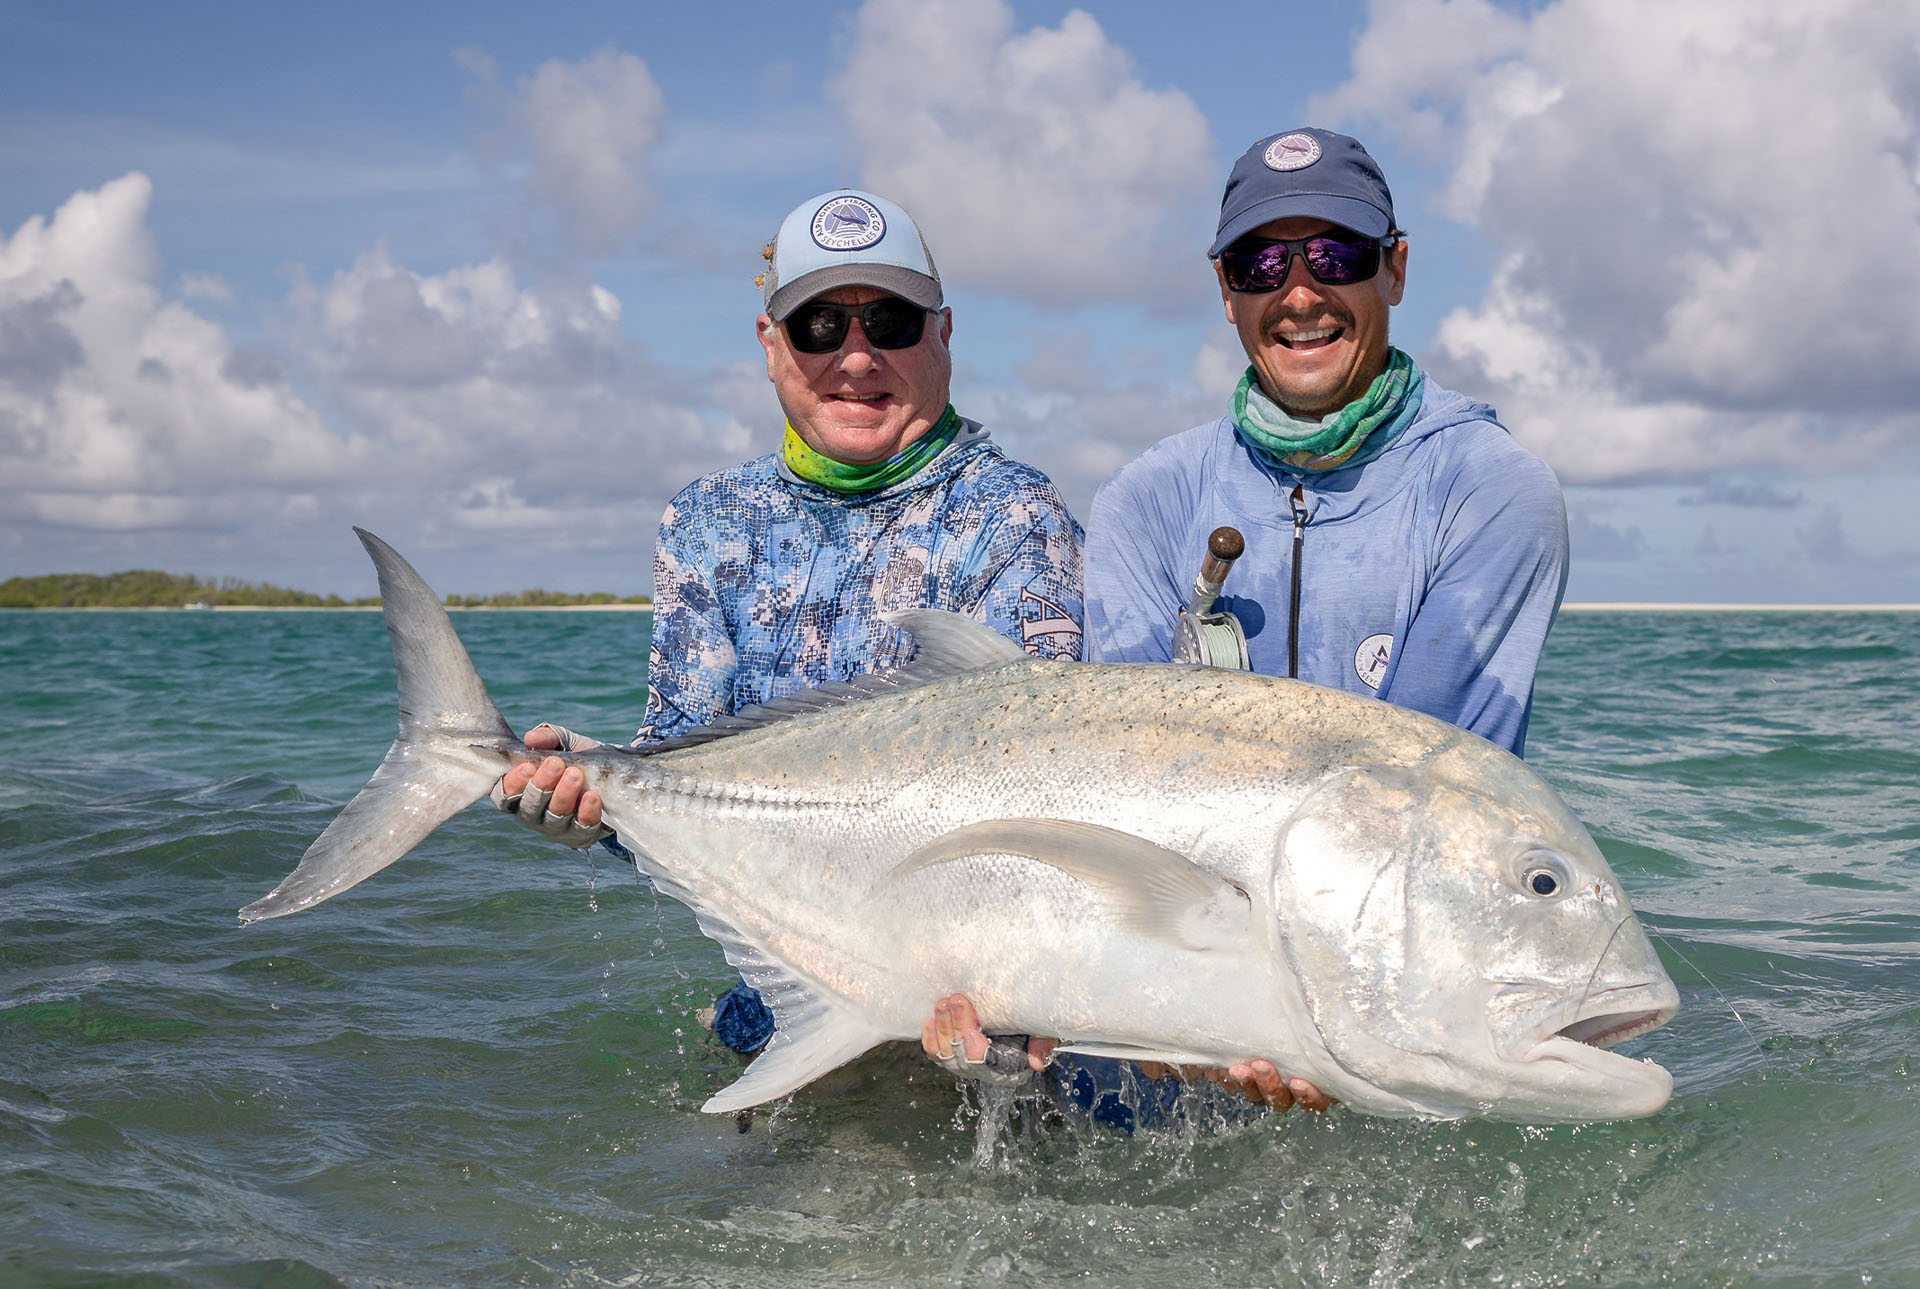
{"points": [[479, 278]]}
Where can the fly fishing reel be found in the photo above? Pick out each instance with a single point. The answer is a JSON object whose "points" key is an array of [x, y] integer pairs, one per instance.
{"points": [[1201, 635]]}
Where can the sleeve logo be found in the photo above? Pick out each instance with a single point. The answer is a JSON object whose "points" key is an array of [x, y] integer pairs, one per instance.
{"points": [[1040, 616]]}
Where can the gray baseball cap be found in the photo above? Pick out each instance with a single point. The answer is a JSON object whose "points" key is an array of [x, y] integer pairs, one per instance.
{"points": [[1309, 172], [848, 238]]}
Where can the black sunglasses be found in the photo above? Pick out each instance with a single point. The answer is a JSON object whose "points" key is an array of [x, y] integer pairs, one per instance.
{"points": [[1254, 266], [890, 323]]}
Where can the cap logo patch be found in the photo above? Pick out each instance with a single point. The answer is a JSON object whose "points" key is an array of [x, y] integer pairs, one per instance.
{"points": [[1292, 152], [848, 224]]}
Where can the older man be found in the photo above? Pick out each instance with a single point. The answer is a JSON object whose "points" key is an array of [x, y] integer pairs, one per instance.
{"points": [[1399, 543], [771, 576]]}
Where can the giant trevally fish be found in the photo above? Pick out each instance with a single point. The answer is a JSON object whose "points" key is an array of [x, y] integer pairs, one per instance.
{"points": [[1169, 863]]}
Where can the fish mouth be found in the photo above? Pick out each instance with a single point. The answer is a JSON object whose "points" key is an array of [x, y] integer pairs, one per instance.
{"points": [[1539, 1027], [1554, 1050], [1612, 1027], [1604, 1020]]}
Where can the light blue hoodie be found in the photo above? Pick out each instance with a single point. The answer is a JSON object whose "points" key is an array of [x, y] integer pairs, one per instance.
{"points": [[1429, 575]]}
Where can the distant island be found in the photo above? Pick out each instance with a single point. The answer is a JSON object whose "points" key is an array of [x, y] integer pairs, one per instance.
{"points": [[146, 588]]}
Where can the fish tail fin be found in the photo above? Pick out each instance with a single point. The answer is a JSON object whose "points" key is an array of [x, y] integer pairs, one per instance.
{"points": [[453, 743]]}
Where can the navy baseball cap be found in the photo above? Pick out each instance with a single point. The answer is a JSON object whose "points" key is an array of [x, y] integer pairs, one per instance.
{"points": [[848, 238], [1310, 172]]}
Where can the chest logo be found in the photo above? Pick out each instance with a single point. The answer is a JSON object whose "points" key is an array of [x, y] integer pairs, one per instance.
{"points": [[1371, 658], [848, 224]]}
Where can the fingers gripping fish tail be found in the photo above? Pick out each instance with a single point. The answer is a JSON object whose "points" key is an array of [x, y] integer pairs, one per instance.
{"points": [[453, 743]]}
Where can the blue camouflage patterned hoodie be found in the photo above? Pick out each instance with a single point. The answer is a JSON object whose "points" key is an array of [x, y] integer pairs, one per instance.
{"points": [[765, 584]]}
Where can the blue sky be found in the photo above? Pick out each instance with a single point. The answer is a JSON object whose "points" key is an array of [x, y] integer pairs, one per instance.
{"points": [[479, 277]]}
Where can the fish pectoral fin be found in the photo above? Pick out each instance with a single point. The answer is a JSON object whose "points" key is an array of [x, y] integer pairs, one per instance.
{"points": [[808, 1042], [1145, 888]]}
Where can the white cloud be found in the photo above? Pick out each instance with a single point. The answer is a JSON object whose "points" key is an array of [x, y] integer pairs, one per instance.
{"points": [[1036, 162], [389, 327], [462, 408], [1080, 414], [1756, 495], [511, 400], [1825, 538], [1709, 216], [588, 131], [592, 124], [117, 405], [1596, 539], [205, 286]]}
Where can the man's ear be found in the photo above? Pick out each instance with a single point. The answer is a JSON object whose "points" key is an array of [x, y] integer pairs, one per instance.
{"points": [[1226, 296], [763, 331], [1397, 271]]}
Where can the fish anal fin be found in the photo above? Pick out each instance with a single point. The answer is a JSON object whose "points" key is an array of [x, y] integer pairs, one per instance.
{"points": [[808, 1041], [813, 1031], [1145, 888]]}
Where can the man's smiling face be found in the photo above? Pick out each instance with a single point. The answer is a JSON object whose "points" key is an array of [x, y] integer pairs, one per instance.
{"points": [[1315, 347], [859, 404]]}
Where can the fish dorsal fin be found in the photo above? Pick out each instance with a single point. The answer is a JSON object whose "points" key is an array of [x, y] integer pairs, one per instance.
{"points": [[1145, 888], [952, 643], [949, 644]]}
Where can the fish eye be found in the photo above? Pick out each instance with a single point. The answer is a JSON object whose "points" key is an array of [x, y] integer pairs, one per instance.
{"points": [[1543, 875]]}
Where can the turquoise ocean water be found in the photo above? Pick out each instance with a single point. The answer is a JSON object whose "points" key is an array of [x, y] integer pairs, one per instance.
{"points": [[479, 1068]]}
